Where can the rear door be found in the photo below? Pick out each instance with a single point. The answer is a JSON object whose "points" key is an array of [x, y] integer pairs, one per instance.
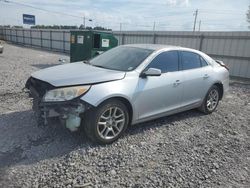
{"points": [[159, 94], [196, 78]]}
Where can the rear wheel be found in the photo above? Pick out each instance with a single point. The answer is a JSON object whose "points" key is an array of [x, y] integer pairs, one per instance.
{"points": [[211, 100], [106, 123]]}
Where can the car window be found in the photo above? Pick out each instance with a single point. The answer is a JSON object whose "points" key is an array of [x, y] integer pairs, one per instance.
{"points": [[190, 60], [203, 62], [166, 62]]}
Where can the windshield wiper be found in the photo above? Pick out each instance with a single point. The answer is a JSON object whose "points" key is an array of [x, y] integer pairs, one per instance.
{"points": [[86, 62], [100, 66]]}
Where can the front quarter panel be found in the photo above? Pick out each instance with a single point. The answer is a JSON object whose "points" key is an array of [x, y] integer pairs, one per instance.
{"points": [[125, 88]]}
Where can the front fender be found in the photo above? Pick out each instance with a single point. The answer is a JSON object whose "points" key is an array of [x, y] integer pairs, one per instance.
{"points": [[125, 88]]}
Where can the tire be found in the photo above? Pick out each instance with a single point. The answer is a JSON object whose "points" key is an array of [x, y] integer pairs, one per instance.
{"points": [[107, 122], [211, 100]]}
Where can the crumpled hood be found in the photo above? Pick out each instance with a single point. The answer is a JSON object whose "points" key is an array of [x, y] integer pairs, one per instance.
{"points": [[76, 74]]}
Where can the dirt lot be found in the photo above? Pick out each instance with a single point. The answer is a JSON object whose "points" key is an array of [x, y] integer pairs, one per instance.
{"points": [[184, 150]]}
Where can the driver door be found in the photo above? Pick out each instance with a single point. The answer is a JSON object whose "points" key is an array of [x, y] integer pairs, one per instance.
{"points": [[160, 94]]}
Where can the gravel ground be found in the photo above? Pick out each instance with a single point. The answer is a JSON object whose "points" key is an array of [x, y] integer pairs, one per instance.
{"points": [[184, 150]]}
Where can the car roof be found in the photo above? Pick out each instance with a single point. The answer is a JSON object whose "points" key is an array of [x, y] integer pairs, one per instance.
{"points": [[154, 47], [157, 47]]}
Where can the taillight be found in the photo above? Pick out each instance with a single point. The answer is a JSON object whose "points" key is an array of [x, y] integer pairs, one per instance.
{"points": [[222, 64]]}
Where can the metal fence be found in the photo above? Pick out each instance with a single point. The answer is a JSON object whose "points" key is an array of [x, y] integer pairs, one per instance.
{"points": [[54, 40], [231, 47]]}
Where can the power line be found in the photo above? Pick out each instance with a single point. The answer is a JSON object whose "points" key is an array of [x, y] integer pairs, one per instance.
{"points": [[222, 13], [144, 24], [221, 10], [42, 9]]}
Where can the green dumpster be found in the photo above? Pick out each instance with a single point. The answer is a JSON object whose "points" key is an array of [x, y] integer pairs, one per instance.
{"points": [[87, 44]]}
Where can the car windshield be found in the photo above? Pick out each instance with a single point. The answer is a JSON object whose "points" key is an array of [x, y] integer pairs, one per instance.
{"points": [[122, 58]]}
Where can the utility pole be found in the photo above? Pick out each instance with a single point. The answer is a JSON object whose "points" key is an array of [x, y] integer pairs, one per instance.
{"points": [[154, 27], [200, 25], [120, 27], [195, 18], [120, 38], [84, 21]]}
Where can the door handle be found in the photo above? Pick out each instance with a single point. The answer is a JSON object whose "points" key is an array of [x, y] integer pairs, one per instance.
{"points": [[177, 82], [206, 76]]}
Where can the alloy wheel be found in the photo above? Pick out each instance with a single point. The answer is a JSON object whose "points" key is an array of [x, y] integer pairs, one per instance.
{"points": [[212, 99], [111, 123]]}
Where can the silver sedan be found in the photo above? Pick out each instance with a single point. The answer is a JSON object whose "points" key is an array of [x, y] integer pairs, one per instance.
{"points": [[127, 85]]}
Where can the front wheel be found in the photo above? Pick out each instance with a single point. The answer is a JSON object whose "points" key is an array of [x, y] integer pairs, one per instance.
{"points": [[211, 100], [107, 122]]}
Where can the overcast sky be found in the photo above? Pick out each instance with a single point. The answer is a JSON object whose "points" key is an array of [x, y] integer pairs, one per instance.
{"points": [[217, 15]]}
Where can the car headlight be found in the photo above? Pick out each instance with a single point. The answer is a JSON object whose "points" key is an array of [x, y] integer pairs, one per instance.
{"points": [[65, 94]]}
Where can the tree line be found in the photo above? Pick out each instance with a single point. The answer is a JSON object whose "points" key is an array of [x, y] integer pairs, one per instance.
{"points": [[100, 28]]}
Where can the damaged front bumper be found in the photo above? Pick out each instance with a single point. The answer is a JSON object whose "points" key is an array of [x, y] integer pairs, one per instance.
{"points": [[70, 113]]}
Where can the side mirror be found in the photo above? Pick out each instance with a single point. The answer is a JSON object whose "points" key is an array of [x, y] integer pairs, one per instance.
{"points": [[151, 72]]}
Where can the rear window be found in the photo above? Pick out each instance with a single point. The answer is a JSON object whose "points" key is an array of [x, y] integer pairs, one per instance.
{"points": [[203, 62], [190, 60]]}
